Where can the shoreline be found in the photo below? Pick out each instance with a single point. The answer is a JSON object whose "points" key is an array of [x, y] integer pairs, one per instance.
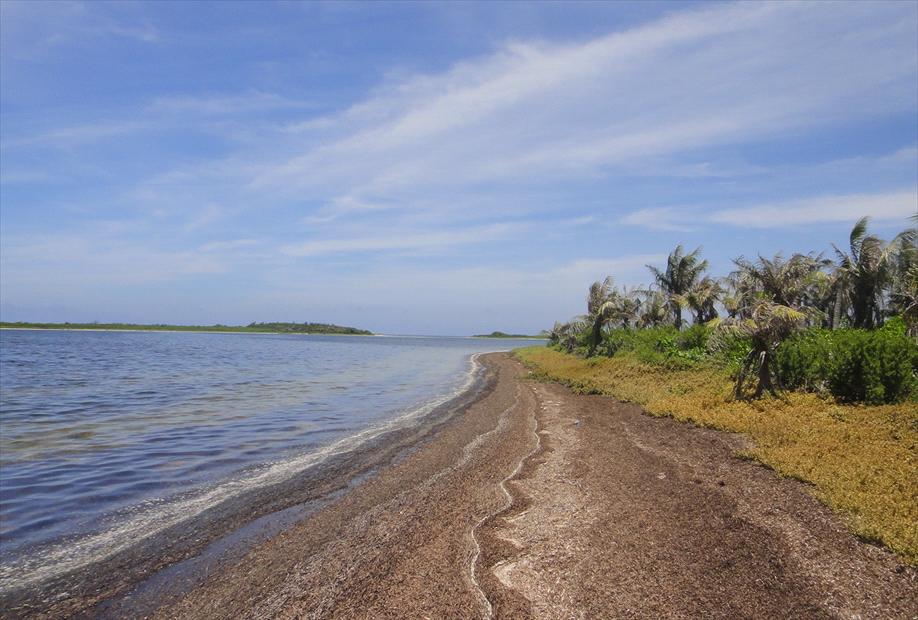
{"points": [[101, 584], [211, 331], [173, 331], [525, 500]]}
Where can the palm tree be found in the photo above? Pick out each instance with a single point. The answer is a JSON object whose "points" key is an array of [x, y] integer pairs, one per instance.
{"points": [[775, 289], [567, 334], [654, 309], [604, 315], [864, 273], [786, 282], [619, 307], [555, 333], [820, 294], [738, 293], [599, 309], [903, 298], [681, 273], [628, 307], [598, 295], [768, 325], [702, 299]]}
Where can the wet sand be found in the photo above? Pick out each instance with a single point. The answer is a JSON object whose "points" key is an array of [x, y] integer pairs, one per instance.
{"points": [[529, 501]]}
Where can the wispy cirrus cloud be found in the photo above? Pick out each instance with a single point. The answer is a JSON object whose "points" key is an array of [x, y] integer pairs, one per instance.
{"points": [[885, 206], [161, 115], [37, 26], [664, 218], [463, 299], [224, 104], [399, 240], [493, 172], [720, 75]]}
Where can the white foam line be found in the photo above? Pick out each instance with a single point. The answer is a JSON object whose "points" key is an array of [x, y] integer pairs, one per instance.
{"points": [[76, 554], [503, 487]]}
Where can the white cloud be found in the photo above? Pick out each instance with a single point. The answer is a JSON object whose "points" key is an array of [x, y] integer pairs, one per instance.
{"points": [[458, 300], [204, 217], [233, 244], [255, 101], [402, 241], [663, 218], [581, 220], [34, 27], [67, 137], [884, 206], [426, 164], [345, 206], [720, 75], [646, 100], [846, 208], [73, 261]]}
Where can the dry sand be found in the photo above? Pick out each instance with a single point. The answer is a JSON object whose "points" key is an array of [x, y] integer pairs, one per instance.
{"points": [[534, 502]]}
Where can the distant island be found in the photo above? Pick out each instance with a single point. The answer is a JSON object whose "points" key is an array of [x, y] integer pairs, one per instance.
{"points": [[504, 335], [274, 328]]}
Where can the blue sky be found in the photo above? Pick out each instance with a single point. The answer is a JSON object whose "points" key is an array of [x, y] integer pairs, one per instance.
{"points": [[432, 168]]}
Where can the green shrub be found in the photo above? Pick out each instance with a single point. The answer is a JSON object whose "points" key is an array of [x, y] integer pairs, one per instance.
{"points": [[660, 346], [873, 366], [695, 337], [853, 365], [802, 361], [729, 350]]}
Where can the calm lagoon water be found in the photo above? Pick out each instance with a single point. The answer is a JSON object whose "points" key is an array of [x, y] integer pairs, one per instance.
{"points": [[108, 436]]}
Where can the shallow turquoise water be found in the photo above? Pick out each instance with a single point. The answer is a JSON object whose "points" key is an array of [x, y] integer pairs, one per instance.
{"points": [[106, 436]]}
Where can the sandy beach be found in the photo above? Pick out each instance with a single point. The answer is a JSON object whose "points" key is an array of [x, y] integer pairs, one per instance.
{"points": [[526, 501]]}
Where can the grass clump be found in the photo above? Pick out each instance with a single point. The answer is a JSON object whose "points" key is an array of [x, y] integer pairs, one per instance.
{"points": [[862, 460]]}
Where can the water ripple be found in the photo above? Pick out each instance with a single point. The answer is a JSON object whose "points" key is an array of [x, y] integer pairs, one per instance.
{"points": [[111, 437]]}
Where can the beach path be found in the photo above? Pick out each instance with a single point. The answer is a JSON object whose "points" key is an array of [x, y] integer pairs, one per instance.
{"points": [[534, 502]]}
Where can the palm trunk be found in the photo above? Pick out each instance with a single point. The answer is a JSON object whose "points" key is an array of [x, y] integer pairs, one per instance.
{"points": [[741, 377], [765, 381], [596, 335]]}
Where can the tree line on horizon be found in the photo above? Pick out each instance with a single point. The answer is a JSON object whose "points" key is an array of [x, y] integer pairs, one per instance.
{"points": [[761, 304]]}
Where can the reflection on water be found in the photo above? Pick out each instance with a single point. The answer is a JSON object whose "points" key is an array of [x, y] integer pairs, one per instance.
{"points": [[104, 432]]}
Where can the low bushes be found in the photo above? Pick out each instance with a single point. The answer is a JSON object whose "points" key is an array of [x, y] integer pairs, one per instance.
{"points": [[661, 346], [853, 365]]}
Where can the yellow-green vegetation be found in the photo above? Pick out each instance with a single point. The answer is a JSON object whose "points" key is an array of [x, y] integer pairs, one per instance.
{"points": [[861, 460]]}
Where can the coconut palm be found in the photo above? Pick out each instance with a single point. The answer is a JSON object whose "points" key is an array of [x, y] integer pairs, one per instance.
{"points": [[786, 282], [555, 333], [604, 315], [620, 307], [680, 276], [865, 271], [820, 294], [903, 298], [599, 309], [769, 323], [654, 309], [567, 335], [598, 295], [628, 307], [738, 293], [775, 290], [702, 299]]}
